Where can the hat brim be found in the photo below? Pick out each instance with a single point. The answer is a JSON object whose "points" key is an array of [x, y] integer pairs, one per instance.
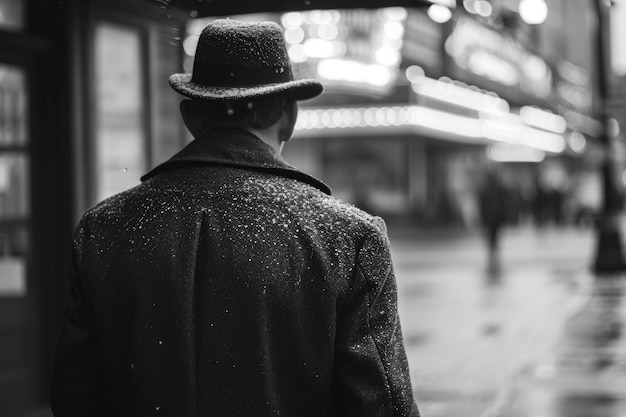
{"points": [[297, 89]]}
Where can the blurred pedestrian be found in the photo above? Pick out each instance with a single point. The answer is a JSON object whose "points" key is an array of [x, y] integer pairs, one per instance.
{"points": [[493, 210], [229, 283]]}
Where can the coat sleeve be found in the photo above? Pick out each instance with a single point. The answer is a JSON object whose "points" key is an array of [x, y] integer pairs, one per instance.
{"points": [[371, 369], [76, 375]]}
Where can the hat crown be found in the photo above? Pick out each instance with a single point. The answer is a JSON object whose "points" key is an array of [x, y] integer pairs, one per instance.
{"points": [[241, 60], [232, 53]]}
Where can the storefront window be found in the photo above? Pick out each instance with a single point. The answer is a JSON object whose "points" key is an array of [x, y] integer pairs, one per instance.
{"points": [[119, 122], [14, 182], [618, 31], [13, 186], [13, 248], [11, 14], [12, 107]]}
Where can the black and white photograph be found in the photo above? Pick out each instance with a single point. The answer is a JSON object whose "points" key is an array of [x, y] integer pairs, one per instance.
{"points": [[340, 208]]}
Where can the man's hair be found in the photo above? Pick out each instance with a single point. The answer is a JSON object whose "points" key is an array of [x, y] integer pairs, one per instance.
{"points": [[259, 113]]}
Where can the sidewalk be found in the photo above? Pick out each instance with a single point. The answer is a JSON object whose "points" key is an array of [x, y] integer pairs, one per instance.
{"points": [[584, 374], [471, 337]]}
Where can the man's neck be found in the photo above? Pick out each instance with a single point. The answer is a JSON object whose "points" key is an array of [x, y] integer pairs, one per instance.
{"points": [[269, 136]]}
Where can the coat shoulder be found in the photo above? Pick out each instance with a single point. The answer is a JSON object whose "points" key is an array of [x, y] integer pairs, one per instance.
{"points": [[115, 206], [352, 217]]}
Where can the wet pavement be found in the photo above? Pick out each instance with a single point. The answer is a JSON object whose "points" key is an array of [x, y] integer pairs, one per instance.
{"points": [[585, 373], [542, 338]]}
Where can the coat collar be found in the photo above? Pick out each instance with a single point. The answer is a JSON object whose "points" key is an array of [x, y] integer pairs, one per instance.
{"points": [[234, 148]]}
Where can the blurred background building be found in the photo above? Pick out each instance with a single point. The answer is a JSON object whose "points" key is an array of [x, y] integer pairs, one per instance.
{"points": [[419, 103]]}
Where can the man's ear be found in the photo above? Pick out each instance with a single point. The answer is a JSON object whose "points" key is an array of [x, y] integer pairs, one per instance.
{"points": [[193, 119], [288, 121]]}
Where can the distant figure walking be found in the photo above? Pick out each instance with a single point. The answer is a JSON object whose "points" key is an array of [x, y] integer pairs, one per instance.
{"points": [[493, 211]]}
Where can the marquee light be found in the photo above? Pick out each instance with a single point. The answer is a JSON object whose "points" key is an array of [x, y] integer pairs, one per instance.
{"points": [[543, 119], [388, 116], [509, 129], [439, 13], [483, 8], [292, 20], [533, 12], [488, 53], [324, 40], [355, 72], [577, 142], [540, 139], [455, 93], [395, 13], [480, 7], [503, 152], [492, 66]]}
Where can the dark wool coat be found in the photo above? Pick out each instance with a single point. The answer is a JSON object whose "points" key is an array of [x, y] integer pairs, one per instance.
{"points": [[230, 284]]}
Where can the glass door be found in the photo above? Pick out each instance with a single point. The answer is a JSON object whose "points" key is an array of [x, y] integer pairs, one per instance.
{"points": [[121, 146], [19, 354], [20, 346], [14, 182]]}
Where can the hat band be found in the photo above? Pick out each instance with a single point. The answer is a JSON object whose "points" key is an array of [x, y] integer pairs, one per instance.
{"points": [[221, 75]]}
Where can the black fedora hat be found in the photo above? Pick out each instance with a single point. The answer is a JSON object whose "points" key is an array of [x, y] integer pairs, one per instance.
{"points": [[240, 60]]}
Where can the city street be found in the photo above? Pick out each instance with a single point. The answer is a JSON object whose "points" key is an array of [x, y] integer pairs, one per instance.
{"points": [[541, 338]]}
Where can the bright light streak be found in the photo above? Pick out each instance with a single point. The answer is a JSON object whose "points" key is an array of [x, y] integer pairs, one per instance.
{"points": [[394, 29], [504, 152], [320, 48], [389, 116], [484, 63], [454, 94], [513, 131], [439, 13], [509, 129], [533, 12], [377, 75], [448, 122], [387, 56], [540, 139], [502, 130], [354, 71], [543, 119]]}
